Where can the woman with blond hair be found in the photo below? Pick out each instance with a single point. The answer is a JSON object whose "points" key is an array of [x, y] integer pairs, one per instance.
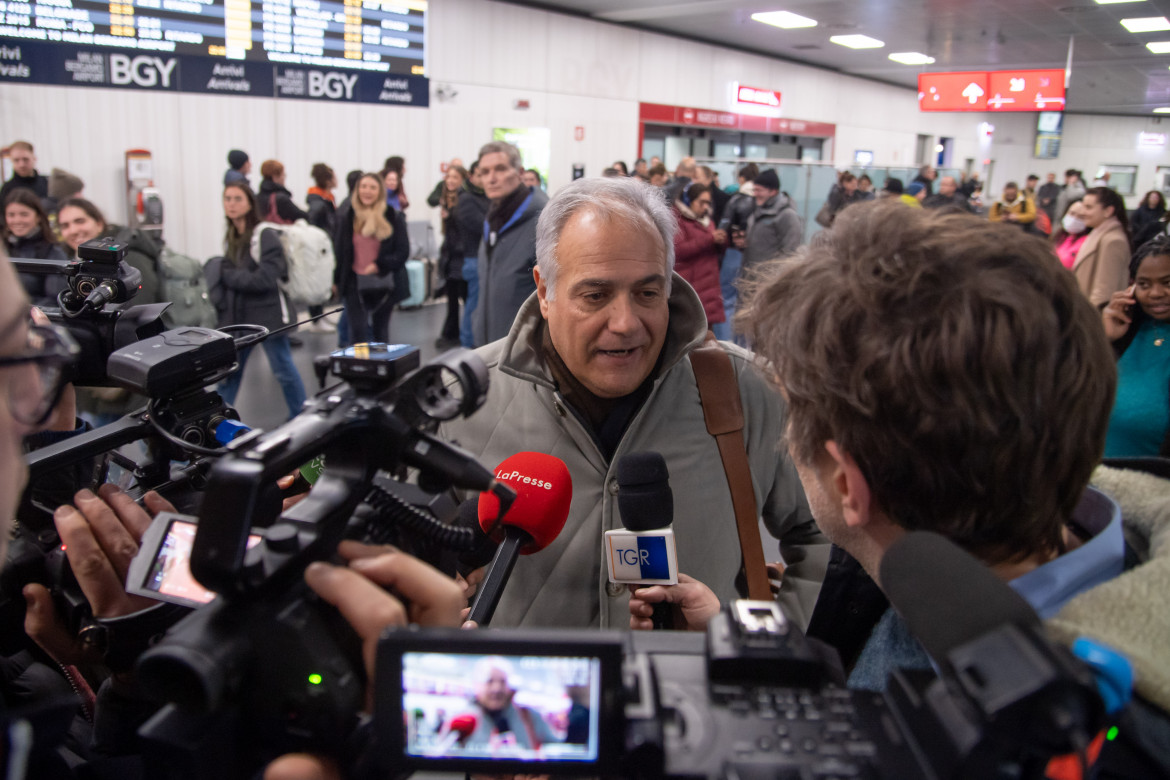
{"points": [[371, 248]]}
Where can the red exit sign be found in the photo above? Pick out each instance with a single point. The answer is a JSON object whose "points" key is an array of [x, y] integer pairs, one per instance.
{"points": [[1003, 90]]}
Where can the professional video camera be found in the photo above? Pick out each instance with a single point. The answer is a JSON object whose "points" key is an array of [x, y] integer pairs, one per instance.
{"points": [[265, 668], [98, 277], [181, 426], [752, 699]]}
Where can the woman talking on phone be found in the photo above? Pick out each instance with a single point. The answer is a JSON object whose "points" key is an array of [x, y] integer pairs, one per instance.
{"points": [[371, 248], [1137, 321]]}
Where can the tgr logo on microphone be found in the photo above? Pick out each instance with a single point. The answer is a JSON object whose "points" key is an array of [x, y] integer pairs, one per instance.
{"points": [[637, 558]]}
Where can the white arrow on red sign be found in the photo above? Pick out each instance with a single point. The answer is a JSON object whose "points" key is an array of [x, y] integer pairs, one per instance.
{"points": [[973, 92]]}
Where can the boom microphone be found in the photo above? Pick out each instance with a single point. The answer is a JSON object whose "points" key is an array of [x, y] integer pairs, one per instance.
{"points": [[924, 574], [643, 553], [544, 490]]}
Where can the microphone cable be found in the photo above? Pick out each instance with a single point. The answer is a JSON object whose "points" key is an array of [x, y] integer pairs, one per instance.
{"points": [[390, 507]]}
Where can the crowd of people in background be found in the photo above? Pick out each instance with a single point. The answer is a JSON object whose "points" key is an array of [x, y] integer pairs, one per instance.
{"points": [[487, 214]]}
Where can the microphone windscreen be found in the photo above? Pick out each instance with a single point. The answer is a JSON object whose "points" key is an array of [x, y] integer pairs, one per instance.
{"points": [[544, 490], [464, 725], [945, 595], [645, 500]]}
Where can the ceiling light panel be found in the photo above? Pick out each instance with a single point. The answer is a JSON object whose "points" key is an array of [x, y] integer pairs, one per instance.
{"points": [[857, 41], [1146, 24], [784, 19], [1164, 110], [1117, 2], [911, 58], [1159, 47]]}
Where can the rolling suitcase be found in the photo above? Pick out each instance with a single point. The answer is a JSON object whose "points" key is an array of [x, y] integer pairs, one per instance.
{"points": [[419, 283]]}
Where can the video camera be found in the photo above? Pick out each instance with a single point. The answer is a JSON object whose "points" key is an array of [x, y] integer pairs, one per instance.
{"points": [[750, 700], [99, 276], [264, 667]]}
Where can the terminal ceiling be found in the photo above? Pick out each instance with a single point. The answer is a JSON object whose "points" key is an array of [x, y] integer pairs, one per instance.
{"points": [[1113, 72]]}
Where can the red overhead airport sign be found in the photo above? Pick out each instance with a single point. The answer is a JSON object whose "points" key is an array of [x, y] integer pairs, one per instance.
{"points": [[1004, 90], [657, 113]]}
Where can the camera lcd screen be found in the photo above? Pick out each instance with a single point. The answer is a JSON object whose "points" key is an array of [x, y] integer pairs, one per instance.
{"points": [[525, 701], [524, 707], [168, 576]]}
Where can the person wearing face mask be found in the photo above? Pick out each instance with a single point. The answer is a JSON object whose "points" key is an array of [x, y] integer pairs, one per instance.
{"points": [[1102, 263], [1067, 239], [1137, 321], [696, 253]]}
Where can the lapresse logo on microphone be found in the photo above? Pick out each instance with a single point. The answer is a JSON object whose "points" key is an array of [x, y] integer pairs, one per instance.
{"points": [[647, 557], [512, 475]]}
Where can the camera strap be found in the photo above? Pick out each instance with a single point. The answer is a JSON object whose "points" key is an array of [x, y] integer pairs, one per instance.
{"points": [[723, 413]]}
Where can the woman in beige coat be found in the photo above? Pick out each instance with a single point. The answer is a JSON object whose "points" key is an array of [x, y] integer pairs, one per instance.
{"points": [[1102, 263]]}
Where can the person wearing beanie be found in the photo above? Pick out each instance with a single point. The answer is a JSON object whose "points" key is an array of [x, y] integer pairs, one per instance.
{"points": [[239, 166], [774, 228], [63, 185], [914, 195], [892, 187]]}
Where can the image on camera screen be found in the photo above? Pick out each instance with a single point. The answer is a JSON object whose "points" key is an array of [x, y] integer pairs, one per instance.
{"points": [[513, 708], [170, 573]]}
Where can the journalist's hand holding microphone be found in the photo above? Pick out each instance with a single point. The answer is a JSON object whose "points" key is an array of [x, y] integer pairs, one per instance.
{"points": [[695, 602]]}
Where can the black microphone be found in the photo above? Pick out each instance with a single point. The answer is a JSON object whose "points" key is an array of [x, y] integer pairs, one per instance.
{"points": [[544, 491], [646, 505], [1026, 694], [946, 596]]}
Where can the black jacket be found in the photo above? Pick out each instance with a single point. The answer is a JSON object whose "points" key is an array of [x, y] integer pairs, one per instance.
{"points": [[470, 212], [322, 213], [457, 243], [37, 183], [42, 289], [1145, 224], [392, 254], [248, 292], [285, 208]]}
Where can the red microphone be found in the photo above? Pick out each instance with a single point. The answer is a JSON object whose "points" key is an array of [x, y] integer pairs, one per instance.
{"points": [[544, 490], [461, 727]]}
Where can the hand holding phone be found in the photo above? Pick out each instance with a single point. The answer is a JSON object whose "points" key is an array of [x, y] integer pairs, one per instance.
{"points": [[1118, 314]]}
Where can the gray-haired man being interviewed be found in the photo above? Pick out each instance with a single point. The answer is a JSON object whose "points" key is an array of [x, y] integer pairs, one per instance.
{"points": [[597, 365], [507, 249]]}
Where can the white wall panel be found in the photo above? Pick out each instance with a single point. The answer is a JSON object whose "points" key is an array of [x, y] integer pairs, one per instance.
{"points": [[572, 71]]}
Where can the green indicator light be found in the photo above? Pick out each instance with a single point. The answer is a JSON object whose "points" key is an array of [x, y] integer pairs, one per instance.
{"points": [[1111, 734], [315, 679]]}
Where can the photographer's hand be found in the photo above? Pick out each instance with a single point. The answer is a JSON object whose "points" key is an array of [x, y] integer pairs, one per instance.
{"points": [[418, 593], [421, 595], [100, 537], [695, 600]]}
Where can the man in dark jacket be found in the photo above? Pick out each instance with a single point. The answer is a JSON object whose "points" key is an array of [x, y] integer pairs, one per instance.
{"points": [[507, 253], [774, 229], [24, 172], [239, 166], [470, 212], [948, 197]]}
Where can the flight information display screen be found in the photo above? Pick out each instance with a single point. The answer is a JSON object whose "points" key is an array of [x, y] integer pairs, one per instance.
{"points": [[152, 43]]}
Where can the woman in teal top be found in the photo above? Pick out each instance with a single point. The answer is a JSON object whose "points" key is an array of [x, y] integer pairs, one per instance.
{"points": [[1137, 321]]}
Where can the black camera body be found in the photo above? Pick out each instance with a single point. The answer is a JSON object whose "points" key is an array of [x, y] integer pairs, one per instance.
{"points": [[265, 667], [748, 700]]}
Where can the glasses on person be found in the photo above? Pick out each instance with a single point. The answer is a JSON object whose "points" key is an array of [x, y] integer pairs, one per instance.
{"points": [[39, 373]]}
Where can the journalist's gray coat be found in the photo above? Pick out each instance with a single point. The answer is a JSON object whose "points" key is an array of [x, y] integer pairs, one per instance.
{"points": [[566, 583]]}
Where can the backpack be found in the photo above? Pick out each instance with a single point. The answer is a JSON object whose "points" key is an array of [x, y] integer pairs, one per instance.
{"points": [[309, 254], [182, 283]]}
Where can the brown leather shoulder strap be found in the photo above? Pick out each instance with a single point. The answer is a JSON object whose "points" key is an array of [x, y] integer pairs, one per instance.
{"points": [[723, 413]]}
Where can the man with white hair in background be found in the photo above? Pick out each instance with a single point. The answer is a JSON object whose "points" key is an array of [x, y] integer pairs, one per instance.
{"points": [[600, 362]]}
